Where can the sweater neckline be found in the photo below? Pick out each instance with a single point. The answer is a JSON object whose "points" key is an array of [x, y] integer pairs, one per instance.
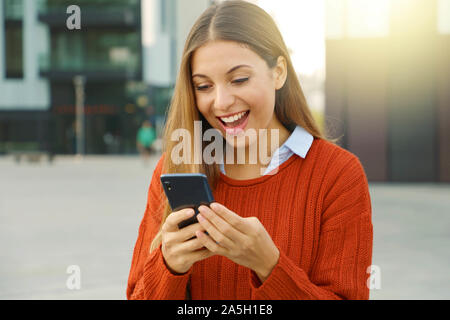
{"points": [[249, 182]]}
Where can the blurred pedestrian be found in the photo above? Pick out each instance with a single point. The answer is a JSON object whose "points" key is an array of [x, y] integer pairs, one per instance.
{"points": [[146, 136], [151, 115]]}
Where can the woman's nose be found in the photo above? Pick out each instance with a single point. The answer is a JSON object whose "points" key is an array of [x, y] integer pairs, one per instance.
{"points": [[223, 99]]}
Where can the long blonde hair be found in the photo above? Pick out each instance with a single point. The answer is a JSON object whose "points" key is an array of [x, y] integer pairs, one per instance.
{"points": [[247, 24]]}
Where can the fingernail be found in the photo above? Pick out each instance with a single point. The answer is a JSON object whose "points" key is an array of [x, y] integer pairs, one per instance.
{"points": [[190, 213], [200, 217]]}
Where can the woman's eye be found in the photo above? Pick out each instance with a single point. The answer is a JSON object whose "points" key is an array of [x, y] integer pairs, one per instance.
{"points": [[240, 80], [206, 87], [202, 88]]}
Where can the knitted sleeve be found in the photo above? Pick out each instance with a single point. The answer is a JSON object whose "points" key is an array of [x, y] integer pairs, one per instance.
{"points": [[149, 277], [344, 247]]}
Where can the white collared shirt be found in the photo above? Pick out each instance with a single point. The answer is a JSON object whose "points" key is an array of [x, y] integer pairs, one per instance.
{"points": [[299, 143]]}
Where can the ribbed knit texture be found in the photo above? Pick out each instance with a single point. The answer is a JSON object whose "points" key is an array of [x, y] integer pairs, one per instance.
{"points": [[318, 213]]}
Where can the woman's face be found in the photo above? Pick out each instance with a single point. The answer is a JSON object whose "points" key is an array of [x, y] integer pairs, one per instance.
{"points": [[235, 89]]}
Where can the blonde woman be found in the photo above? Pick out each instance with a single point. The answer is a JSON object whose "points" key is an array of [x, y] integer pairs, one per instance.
{"points": [[298, 227]]}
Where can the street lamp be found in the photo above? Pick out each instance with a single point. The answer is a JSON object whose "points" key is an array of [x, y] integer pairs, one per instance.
{"points": [[79, 82]]}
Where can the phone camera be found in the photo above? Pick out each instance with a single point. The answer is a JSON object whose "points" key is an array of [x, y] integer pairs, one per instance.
{"points": [[168, 186]]}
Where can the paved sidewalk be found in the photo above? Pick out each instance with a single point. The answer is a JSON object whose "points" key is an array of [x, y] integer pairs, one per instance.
{"points": [[412, 240], [87, 213]]}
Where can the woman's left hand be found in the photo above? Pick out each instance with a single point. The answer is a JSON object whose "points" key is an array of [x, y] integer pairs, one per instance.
{"points": [[245, 241]]}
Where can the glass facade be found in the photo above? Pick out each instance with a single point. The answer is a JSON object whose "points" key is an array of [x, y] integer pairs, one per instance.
{"points": [[13, 9], [106, 6], [96, 51], [108, 55], [109, 39]]}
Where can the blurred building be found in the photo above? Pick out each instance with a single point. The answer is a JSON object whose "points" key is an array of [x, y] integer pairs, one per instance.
{"points": [[388, 86], [126, 51], [165, 26], [106, 51], [24, 95]]}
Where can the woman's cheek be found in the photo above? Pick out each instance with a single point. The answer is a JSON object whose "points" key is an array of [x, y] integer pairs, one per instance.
{"points": [[202, 106]]}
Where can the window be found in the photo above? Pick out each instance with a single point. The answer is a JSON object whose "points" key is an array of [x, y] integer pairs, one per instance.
{"points": [[98, 49], [14, 38], [14, 10]]}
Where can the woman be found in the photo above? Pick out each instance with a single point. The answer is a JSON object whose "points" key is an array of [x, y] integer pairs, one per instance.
{"points": [[301, 229]]}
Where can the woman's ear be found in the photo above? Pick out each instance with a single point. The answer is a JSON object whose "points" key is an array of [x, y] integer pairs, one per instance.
{"points": [[280, 73]]}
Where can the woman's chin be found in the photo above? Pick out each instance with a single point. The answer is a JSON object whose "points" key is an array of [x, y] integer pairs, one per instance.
{"points": [[239, 141]]}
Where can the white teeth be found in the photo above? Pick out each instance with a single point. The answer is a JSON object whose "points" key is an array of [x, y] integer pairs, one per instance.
{"points": [[233, 118]]}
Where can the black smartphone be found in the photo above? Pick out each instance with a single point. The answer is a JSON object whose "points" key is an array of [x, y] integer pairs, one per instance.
{"points": [[187, 190]]}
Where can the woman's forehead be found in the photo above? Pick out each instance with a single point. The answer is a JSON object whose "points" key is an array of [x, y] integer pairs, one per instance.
{"points": [[222, 56]]}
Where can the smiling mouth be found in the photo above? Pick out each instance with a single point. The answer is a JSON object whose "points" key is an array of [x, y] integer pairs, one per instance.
{"points": [[236, 123]]}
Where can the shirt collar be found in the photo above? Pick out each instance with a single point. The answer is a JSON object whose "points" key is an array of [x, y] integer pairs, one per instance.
{"points": [[299, 142]]}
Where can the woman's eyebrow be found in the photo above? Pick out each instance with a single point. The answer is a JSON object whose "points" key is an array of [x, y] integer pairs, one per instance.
{"points": [[229, 71]]}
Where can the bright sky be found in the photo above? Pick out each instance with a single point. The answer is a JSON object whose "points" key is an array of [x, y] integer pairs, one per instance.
{"points": [[302, 24]]}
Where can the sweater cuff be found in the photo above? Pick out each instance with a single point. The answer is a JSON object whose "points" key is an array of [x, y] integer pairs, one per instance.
{"points": [[160, 283], [278, 285]]}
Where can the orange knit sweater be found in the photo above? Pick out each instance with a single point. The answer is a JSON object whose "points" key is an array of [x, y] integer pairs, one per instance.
{"points": [[317, 211]]}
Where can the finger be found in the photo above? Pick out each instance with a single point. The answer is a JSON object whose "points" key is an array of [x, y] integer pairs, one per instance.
{"points": [[191, 245], [172, 221], [214, 233], [189, 231], [221, 224], [210, 244], [232, 218]]}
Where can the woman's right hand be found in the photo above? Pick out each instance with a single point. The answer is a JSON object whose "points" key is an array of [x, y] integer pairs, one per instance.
{"points": [[180, 252]]}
